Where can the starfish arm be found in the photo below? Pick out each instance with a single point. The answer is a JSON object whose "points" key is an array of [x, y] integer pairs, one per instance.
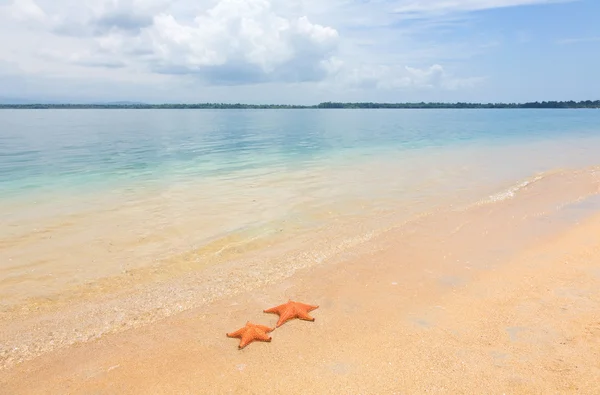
{"points": [[237, 333], [246, 339], [275, 310], [305, 316], [308, 307]]}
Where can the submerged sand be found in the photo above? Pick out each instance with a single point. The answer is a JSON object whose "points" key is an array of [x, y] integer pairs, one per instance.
{"points": [[502, 296]]}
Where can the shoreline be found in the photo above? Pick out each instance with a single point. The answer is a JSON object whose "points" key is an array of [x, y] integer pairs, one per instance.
{"points": [[474, 299]]}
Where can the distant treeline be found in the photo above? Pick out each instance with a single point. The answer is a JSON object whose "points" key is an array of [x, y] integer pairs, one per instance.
{"points": [[544, 104], [326, 105]]}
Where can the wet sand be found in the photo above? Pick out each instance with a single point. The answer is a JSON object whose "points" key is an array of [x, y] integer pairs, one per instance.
{"points": [[497, 297]]}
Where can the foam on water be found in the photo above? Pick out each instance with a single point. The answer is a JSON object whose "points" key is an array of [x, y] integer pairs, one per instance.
{"points": [[510, 193]]}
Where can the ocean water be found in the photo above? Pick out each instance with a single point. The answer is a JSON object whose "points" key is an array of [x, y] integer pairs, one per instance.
{"points": [[61, 160], [150, 212], [187, 179], [44, 151]]}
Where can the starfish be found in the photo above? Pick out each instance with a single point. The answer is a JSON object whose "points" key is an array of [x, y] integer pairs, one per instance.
{"points": [[291, 310], [251, 332]]}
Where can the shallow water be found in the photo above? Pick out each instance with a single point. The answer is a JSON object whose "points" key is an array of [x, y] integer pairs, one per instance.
{"points": [[146, 213]]}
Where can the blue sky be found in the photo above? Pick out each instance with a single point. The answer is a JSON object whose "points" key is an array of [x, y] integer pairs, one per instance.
{"points": [[305, 51]]}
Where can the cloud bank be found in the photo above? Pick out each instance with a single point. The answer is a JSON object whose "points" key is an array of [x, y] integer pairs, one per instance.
{"points": [[228, 42], [334, 44]]}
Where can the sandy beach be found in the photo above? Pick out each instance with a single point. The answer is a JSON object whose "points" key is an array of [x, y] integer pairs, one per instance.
{"points": [[498, 297]]}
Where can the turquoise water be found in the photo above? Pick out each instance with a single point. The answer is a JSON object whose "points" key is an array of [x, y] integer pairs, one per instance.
{"points": [[62, 150]]}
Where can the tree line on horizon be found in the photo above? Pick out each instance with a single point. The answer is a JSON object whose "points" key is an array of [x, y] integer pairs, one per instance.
{"points": [[325, 105]]}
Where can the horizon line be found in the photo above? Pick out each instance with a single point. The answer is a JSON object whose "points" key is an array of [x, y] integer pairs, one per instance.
{"points": [[322, 105]]}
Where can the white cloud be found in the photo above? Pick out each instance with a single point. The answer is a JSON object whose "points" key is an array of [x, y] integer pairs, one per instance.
{"points": [[234, 41], [240, 37], [28, 12], [89, 17], [424, 8], [84, 58], [333, 65], [407, 78]]}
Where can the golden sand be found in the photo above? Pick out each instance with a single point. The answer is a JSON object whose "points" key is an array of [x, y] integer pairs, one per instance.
{"points": [[501, 297]]}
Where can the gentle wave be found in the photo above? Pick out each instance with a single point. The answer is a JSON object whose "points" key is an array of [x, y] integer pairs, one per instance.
{"points": [[512, 191], [566, 176]]}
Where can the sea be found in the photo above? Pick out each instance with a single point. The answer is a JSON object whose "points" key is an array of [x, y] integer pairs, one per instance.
{"points": [[116, 218]]}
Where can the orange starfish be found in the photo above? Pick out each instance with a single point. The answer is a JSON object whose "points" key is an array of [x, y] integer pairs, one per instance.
{"points": [[251, 332], [291, 310]]}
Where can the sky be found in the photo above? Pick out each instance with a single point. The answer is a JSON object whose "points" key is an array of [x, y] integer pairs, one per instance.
{"points": [[299, 51]]}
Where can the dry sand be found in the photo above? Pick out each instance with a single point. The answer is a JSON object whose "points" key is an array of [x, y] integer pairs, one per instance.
{"points": [[499, 298]]}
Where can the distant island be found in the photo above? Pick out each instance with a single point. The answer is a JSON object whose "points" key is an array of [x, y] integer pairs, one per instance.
{"points": [[325, 105]]}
